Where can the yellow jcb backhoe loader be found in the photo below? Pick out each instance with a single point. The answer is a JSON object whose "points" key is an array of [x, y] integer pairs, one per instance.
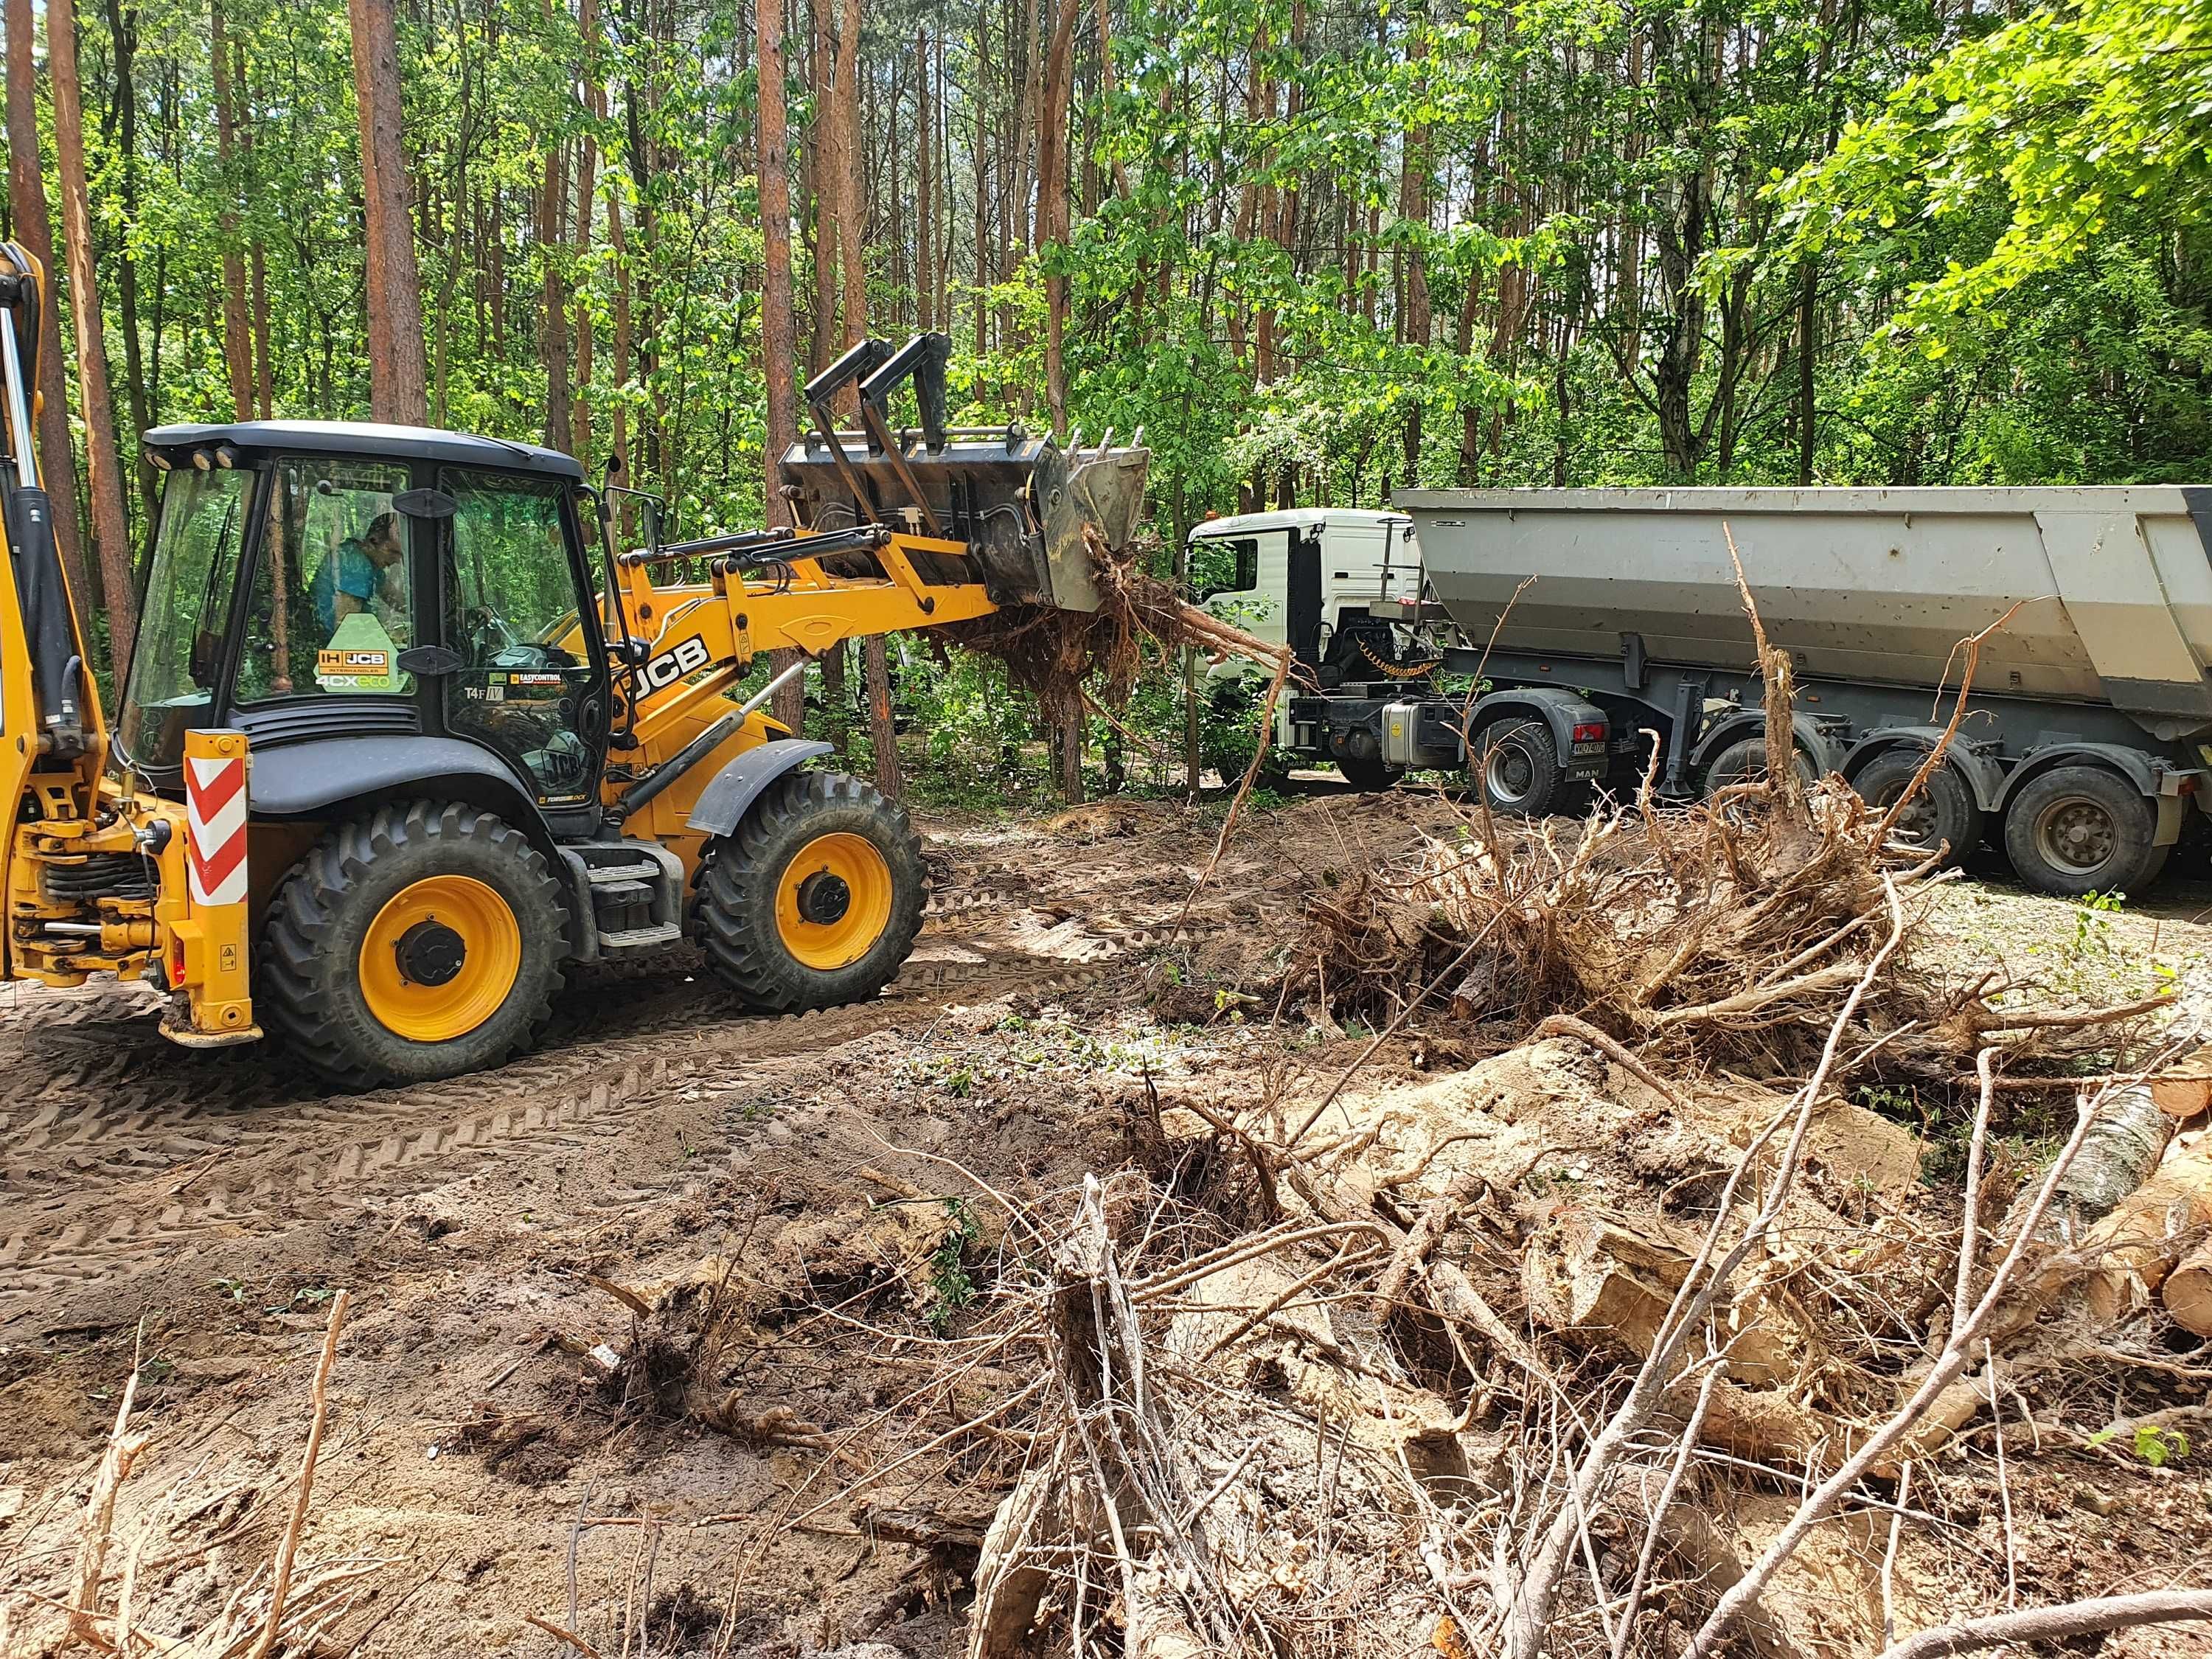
{"points": [[405, 733]]}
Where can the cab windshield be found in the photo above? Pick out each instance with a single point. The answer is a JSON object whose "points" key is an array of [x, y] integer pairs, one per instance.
{"points": [[184, 615]]}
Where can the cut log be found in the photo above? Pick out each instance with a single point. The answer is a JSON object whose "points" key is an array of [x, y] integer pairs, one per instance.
{"points": [[2117, 1156], [2125, 1257], [1593, 1273], [2184, 1088], [2188, 1291]]}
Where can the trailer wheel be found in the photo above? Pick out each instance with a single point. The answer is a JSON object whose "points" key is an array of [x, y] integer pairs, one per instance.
{"points": [[1943, 813], [815, 899], [421, 942], [1517, 767], [1745, 762], [1371, 776], [2081, 829]]}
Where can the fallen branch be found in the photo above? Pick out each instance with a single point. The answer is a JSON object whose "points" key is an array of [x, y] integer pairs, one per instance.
{"points": [[2058, 1624], [281, 1580]]}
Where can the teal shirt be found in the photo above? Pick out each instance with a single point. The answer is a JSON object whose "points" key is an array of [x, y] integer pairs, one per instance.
{"points": [[348, 570]]}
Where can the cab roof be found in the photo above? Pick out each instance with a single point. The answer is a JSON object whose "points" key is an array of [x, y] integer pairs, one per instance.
{"points": [[408, 443], [1295, 518]]}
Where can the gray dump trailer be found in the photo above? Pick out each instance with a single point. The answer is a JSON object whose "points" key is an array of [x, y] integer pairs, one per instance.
{"points": [[2085, 749]]}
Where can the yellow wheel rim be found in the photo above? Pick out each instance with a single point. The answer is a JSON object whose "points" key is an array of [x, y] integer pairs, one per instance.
{"points": [[439, 958], [834, 901]]}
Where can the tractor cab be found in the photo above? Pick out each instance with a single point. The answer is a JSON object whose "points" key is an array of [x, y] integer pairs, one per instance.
{"points": [[311, 582]]}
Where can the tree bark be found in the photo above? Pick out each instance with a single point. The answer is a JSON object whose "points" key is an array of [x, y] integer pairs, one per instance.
{"points": [[237, 338], [852, 197], [822, 172], [1052, 227], [122, 30], [110, 527], [618, 422], [779, 326], [925, 134], [397, 377], [553, 297], [587, 156], [26, 201], [889, 778]]}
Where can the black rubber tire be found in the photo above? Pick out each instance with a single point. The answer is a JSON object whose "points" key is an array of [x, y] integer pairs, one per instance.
{"points": [[734, 915], [1942, 813], [1515, 767], [2079, 829], [1745, 762], [1373, 776], [308, 990]]}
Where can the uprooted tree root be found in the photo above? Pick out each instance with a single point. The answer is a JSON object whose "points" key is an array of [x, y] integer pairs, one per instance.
{"points": [[1054, 653], [1723, 936]]}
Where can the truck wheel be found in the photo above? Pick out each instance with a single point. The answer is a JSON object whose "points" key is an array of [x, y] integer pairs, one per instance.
{"points": [[421, 942], [1943, 814], [1517, 767], [1745, 762], [2081, 829], [1373, 776], [815, 899]]}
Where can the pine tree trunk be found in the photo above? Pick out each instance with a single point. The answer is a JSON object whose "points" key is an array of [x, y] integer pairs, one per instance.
{"points": [[889, 778], [822, 172], [553, 298], [925, 136], [110, 527], [618, 422], [852, 203], [264, 382], [1052, 201], [33, 230], [779, 327], [237, 341], [588, 157], [123, 33], [397, 380]]}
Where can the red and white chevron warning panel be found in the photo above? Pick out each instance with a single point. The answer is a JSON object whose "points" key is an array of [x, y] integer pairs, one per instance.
{"points": [[214, 809]]}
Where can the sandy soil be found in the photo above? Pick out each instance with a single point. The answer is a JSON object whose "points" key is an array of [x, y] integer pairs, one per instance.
{"points": [[194, 1215]]}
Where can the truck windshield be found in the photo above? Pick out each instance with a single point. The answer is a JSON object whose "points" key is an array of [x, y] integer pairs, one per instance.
{"points": [[183, 620]]}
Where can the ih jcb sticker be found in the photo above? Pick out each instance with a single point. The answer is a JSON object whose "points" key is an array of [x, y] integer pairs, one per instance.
{"points": [[353, 665]]}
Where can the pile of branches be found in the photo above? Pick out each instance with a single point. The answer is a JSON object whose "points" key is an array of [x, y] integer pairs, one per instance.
{"points": [[1729, 934]]}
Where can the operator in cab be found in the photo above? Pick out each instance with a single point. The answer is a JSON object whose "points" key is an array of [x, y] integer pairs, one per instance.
{"points": [[361, 572]]}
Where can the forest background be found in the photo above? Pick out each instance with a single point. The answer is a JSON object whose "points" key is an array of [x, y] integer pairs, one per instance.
{"points": [[1315, 249]]}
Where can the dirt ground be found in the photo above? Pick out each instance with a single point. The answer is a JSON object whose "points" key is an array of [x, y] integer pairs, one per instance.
{"points": [[192, 1217]]}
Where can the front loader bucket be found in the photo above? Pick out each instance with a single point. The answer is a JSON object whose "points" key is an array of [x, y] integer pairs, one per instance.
{"points": [[1020, 503], [1015, 500]]}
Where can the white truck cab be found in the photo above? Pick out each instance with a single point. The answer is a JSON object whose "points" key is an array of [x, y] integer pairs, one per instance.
{"points": [[1292, 575]]}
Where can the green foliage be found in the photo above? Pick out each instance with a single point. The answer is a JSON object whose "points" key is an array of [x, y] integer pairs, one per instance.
{"points": [[2067, 127], [2156, 1446]]}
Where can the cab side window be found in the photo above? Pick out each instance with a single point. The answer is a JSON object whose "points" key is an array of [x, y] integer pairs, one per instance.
{"points": [[526, 686], [1224, 564], [331, 608]]}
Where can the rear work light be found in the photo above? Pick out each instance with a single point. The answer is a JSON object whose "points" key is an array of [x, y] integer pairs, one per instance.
{"points": [[1592, 732]]}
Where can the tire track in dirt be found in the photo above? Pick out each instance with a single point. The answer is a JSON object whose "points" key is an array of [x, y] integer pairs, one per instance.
{"points": [[120, 1153]]}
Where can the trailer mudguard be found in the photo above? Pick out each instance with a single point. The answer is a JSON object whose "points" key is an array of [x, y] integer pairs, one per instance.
{"points": [[1982, 776], [327, 777], [1751, 723], [2156, 778], [1560, 710], [723, 802]]}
